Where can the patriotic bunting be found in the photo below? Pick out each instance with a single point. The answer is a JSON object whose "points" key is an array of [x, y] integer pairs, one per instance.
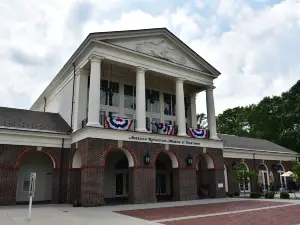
{"points": [[198, 133], [118, 123], [164, 128]]}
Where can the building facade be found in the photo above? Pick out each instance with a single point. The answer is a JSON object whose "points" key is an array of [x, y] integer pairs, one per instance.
{"points": [[118, 124]]}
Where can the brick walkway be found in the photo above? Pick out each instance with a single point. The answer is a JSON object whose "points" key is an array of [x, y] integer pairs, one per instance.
{"points": [[289, 215], [193, 210]]}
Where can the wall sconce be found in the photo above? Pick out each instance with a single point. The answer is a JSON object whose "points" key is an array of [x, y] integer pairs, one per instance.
{"points": [[189, 160], [147, 158], [233, 164]]}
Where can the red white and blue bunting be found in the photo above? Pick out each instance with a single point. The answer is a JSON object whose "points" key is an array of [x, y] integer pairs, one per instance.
{"points": [[118, 123], [164, 128], [198, 133]]}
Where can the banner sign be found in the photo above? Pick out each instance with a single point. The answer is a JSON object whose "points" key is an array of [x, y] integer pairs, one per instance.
{"points": [[198, 133], [118, 123], [32, 184], [166, 141], [164, 128]]}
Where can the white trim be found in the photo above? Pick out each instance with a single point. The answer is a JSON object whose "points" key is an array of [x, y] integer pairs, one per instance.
{"points": [[262, 155], [92, 132], [28, 138], [260, 150]]}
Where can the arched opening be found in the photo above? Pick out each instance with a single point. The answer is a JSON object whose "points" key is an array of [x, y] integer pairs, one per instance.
{"points": [[77, 160], [42, 164], [282, 183], [263, 177], [116, 178], [164, 176], [75, 178], [226, 178], [245, 187], [205, 173]]}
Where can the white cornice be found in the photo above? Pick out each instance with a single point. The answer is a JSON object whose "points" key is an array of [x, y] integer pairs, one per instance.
{"points": [[34, 138]]}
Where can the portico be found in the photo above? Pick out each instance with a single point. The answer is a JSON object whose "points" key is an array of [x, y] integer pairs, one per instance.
{"points": [[103, 90]]}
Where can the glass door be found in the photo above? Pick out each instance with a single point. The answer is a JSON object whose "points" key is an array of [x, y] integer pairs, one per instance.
{"points": [[119, 184]]}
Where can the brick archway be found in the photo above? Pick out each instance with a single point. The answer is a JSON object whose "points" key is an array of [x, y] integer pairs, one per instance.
{"points": [[174, 159], [25, 153], [128, 152]]}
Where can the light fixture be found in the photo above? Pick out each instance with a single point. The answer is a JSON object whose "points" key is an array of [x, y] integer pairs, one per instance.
{"points": [[233, 164], [189, 160], [147, 158]]}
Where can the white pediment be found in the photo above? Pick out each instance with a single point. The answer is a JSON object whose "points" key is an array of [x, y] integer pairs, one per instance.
{"points": [[159, 46]]}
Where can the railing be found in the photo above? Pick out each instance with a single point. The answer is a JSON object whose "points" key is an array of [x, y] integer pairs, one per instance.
{"points": [[152, 127]]}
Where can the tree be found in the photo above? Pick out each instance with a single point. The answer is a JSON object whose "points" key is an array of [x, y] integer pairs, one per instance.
{"points": [[201, 121], [275, 118], [242, 175]]}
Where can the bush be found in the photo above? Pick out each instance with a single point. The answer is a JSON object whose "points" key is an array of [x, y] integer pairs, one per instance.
{"points": [[284, 195], [269, 194], [236, 193], [255, 195], [230, 194]]}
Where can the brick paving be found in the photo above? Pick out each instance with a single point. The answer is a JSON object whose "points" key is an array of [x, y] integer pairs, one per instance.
{"points": [[201, 209], [288, 215]]}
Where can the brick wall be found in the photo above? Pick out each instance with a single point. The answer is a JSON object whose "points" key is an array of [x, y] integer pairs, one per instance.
{"points": [[142, 178], [254, 166], [10, 160]]}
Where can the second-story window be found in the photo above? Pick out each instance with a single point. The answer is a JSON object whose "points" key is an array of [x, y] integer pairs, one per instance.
{"points": [[169, 104], [109, 93], [152, 101], [129, 97]]}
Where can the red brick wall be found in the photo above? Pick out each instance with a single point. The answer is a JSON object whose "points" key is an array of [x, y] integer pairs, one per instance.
{"points": [[10, 159], [233, 185]]}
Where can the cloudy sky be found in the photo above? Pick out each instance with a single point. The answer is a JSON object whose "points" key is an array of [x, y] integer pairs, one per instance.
{"points": [[254, 43]]}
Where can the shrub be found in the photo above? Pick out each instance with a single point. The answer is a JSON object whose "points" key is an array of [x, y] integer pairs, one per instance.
{"points": [[236, 193], [284, 195], [269, 194], [230, 194], [255, 195]]}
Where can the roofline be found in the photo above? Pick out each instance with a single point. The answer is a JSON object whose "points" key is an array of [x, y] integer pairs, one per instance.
{"points": [[87, 41], [32, 130], [259, 150]]}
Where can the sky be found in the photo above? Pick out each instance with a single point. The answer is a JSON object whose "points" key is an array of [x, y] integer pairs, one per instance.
{"points": [[253, 43]]}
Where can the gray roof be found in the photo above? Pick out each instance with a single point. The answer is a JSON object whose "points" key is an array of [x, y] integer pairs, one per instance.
{"points": [[232, 141], [32, 120]]}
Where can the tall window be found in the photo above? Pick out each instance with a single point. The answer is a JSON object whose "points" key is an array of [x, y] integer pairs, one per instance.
{"points": [[152, 101], [169, 104], [109, 93], [129, 97], [246, 186], [282, 180], [26, 181], [265, 177]]}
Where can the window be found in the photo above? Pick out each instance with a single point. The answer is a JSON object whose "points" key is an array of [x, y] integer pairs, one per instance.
{"points": [[152, 101], [150, 124], [281, 179], [246, 185], [109, 93], [26, 181], [265, 177], [169, 104], [129, 97]]}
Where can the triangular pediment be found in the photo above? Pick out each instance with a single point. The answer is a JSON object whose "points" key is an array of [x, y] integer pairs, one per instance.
{"points": [[159, 43]]}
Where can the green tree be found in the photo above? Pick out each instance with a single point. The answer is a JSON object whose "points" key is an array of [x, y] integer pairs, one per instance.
{"points": [[242, 175], [201, 121]]}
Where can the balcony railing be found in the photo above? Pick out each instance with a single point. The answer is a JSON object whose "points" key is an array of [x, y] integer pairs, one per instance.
{"points": [[126, 124]]}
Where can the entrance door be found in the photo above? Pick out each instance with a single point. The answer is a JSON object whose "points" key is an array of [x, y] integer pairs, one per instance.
{"points": [[161, 184], [48, 186], [119, 184]]}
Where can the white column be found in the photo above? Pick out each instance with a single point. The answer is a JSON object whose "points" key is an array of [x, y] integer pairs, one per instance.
{"points": [[140, 100], [80, 98], [121, 91], [211, 117], [192, 110], [94, 92], [180, 110]]}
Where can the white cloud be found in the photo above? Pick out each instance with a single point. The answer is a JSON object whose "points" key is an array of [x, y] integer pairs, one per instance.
{"points": [[256, 50]]}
